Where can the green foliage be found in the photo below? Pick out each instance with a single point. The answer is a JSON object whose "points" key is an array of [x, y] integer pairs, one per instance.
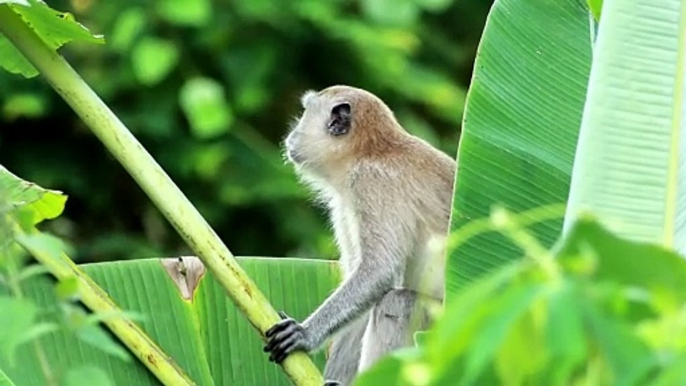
{"points": [[577, 314], [521, 125], [254, 59], [153, 59], [201, 330], [206, 335], [23, 205], [203, 101], [55, 28]]}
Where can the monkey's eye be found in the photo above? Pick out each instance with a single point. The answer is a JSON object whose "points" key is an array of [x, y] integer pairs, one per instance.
{"points": [[339, 122]]}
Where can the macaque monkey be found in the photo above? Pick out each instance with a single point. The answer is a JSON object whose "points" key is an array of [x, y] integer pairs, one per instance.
{"points": [[389, 197]]}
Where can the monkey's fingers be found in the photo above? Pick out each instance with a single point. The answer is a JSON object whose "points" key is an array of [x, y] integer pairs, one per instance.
{"points": [[279, 327], [282, 351], [290, 332]]}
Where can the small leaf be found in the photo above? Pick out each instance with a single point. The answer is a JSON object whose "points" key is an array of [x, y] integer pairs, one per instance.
{"points": [[565, 333], [31, 271], [434, 5], [24, 105], [386, 371], [36, 331], [54, 27], [127, 27], [182, 12], [153, 59], [595, 6], [42, 244], [391, 12], [420, 338], [510, 306], [203, 102], [96, 337], [67, 289], [17, 318], [653, 268], [39, 203], [14, 61], [87, 375], [627, 356]]}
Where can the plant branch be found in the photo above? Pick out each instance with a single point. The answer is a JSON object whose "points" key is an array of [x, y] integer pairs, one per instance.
{"points": [[97, 300], [156, 184]]}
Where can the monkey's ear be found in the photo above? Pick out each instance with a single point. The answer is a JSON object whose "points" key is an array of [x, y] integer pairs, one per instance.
{"points": [[339, 123]]}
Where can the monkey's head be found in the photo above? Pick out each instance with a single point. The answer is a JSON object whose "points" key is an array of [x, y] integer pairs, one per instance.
{"points": [[340, 124]]}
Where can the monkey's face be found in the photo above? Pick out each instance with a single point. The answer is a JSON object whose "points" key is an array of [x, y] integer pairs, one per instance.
{"points": [[317, 138]]}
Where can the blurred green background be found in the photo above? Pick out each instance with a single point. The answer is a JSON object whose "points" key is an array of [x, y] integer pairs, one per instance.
{"points": [[209, 88]]}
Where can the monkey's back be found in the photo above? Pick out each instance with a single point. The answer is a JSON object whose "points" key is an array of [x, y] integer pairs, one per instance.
{"points": [[428, 184]]}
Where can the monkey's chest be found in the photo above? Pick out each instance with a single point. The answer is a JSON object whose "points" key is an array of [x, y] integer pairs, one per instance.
{"points": [[346, 231]]}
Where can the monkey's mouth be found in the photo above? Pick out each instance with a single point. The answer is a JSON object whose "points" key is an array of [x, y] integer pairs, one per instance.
{"points": [[294, 156]]}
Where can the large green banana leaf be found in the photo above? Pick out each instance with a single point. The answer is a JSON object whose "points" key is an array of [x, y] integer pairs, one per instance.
{"points": [[629, 168], [183, 309], [521, 124], [205, 335]]}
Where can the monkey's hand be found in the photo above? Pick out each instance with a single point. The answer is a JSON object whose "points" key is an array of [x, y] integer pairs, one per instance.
{"points": [[285, 337]]}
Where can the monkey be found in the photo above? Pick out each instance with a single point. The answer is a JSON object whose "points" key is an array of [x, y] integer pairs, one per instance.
{"points": [[389, 200]]}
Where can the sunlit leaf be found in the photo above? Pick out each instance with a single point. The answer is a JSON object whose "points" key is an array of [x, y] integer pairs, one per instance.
{"points": [[24, 105], [660, 271], [67, 288], [127, 27], [205, 106], [595, 6], [153, 59], [181, 12], [402, 12], [13, 61], [39, 203], [54, 27]]}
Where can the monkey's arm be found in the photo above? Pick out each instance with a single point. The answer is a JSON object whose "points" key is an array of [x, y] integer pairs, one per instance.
{"points": [[385, 240]]}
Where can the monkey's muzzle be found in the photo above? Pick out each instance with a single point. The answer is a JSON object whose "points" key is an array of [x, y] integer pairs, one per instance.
{"points": [[292, 154]]}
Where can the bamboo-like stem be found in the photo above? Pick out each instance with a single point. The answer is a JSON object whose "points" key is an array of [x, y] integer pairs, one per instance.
{"points": [[96, 299], [157, 185]]}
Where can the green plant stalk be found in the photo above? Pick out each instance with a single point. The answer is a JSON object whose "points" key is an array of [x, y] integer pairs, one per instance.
{"points": [[156, 184], [96, 299]]}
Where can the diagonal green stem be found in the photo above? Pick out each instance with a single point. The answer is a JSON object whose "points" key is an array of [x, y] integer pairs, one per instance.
{"points": [[156, 184], [96, 299]]}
